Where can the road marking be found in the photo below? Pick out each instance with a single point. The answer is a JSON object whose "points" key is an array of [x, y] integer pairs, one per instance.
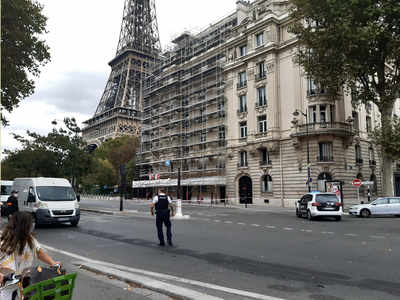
{"points": [[217, 221], [270, 226], [287, 228], [228, 222], [377, 237], [350, 234], [205, 219], [242, 293], [255, 225], [241, 223], [327, 232], [306, 230]]}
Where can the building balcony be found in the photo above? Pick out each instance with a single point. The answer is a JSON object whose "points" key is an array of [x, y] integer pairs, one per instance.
{"points": [[372, 163], [359, 161], [241, 85], [265, 163], [325, 158], [323, 128], [242, 165], [260, 76]]}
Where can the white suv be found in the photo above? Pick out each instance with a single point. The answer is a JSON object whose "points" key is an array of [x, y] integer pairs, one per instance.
{"points": [[318, 204]]}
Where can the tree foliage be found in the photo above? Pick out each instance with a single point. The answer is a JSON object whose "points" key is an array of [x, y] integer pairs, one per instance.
{"points": [[118, 151], [61, 153], [392, 144], [22, 50], [353, 45]]}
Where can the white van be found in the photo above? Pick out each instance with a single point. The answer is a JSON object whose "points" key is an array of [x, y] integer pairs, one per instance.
{"points": [[6, 188], [50, 200]]}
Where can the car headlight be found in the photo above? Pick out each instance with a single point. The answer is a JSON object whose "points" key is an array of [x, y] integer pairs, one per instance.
{"points": [[41, 204], [76, 204]]}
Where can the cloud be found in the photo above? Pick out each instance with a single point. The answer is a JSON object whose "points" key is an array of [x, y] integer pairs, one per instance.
{"points": [[35, 117], [73, 91]]}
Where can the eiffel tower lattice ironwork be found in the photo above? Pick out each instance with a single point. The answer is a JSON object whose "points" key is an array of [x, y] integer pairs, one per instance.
{"points": [[118, 112]]}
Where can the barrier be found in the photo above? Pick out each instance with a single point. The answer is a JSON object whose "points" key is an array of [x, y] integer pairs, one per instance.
{"points": [[178, 213]]}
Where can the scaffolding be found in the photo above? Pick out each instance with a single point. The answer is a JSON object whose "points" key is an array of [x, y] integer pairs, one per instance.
{"points": [[184, 111]]}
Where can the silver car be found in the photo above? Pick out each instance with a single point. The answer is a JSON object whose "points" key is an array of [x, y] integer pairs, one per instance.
{"points": [[381, 206]]}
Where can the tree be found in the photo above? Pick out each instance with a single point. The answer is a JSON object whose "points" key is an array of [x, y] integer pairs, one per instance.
{"points": [[392, 144], [61, 153], [353, 46], [22, 50], [118, 151]]}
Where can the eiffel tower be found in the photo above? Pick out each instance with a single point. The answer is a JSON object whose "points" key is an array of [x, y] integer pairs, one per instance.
{"points": [[118, 112]]}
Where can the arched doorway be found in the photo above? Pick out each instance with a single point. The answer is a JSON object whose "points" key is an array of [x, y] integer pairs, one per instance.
{"points": [[322, 177], [245, 190], [374, 188]]}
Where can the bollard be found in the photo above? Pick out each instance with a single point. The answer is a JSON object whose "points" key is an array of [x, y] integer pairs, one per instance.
{"points": [[178, 214]]}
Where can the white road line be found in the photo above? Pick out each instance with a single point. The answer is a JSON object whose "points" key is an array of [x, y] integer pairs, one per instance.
{"points": [[287, 228], [306, 230], [255, 225], [327, 232], [241, 223], [350, 234], [377, 236], [270, 226], [206, 219], [166, 277], [228, 222], [217, 221]]}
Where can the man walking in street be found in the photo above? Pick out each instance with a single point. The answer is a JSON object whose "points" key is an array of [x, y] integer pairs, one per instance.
{"points": [[12, 204], [164, 208]]}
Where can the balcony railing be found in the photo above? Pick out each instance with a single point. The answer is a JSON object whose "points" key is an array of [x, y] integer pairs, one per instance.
{"points": [[242, 110], [265, 162], [242, 164], [316, 91], [372, 163], [338, 128], [359, 161], [242, 84], [324, 158], [260, 76]]}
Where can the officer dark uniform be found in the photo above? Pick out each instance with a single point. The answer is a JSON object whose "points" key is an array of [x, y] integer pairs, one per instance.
{"points": [[163, 205], [12, 204]]}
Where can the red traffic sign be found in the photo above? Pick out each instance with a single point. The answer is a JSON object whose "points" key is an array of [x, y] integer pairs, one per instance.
{"points": [[357, 182]]}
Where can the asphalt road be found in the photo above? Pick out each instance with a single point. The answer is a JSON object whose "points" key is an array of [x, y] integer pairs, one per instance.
{"points": [[265, 252]]}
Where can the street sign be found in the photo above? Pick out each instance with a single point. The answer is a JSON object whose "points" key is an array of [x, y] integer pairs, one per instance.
{"points": [[357, 182], [367, 183]]}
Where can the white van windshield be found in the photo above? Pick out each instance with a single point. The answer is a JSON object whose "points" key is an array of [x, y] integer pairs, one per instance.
{"points": [[6, 189], [55, 193]]}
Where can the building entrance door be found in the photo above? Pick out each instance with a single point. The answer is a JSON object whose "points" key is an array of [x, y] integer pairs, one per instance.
{"points": [[245, 190], [397, 185]]}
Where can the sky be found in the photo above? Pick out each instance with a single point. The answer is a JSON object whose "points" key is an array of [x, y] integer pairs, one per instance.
{"points": [[83, 37]]}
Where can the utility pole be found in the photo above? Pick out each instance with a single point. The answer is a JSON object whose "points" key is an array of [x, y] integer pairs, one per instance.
{"points": [[122, 189]]}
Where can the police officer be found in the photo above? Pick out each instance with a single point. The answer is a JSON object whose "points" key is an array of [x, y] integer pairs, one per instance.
{"points": [[12, 203], [163, 205]]}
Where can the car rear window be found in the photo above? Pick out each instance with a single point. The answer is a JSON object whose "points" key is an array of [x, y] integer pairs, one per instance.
{"points": [[326, 198]]}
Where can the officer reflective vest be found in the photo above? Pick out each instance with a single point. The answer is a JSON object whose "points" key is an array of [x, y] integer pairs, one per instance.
{"points": [[162, 203]]}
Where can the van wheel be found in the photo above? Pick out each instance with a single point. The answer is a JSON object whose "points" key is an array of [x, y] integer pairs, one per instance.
{"points": [[74, 223], [309, 216], [298, 213], [365, 213]]}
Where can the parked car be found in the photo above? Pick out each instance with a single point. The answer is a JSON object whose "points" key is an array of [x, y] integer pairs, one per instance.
{"points": [[6, 187], [381, 206], [319, 204]]}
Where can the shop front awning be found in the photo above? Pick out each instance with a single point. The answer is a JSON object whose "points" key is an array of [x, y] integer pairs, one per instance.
{"points": [[201, 181]]}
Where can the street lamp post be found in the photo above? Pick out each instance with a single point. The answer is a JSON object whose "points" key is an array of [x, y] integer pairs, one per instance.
{"points": [[296, 113]]}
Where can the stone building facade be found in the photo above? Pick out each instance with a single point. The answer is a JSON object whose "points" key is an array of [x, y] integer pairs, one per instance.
{"points": [[281, 125], [276, 134]]}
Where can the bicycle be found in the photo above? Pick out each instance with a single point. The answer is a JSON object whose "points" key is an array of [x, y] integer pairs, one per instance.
{"points": [[56, 288]]}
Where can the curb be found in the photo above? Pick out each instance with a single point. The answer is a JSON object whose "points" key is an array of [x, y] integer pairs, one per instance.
{"points": [[178, 292]]}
